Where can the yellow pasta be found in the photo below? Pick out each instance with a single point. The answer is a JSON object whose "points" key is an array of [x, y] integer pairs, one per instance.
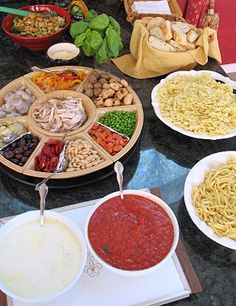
{"points": [[215, 199], [198, 104]]}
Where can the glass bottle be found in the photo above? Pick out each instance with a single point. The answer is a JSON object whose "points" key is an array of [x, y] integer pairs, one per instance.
{"points": [[211, 19]]}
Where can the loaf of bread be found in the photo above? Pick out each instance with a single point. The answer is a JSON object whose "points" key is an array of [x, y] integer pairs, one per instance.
{"points": [[159, 44], [174, 36]]}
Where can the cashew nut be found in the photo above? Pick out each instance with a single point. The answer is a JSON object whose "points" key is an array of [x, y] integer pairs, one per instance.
{"points": [[98, 102], [106, 86], [121, 93], [128, 99], [107, 93], [124, 83], [117, 102], [108, 102], [115, 85]]}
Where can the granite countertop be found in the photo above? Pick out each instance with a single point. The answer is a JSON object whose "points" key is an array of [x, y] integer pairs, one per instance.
{"points": [[162, 159]]}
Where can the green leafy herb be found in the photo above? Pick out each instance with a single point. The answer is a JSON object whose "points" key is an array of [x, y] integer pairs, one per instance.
{"points": [[114, 24], [99, 36], [100, 22], [79, 40], [91, 15], [78, 28], [96, 40]]}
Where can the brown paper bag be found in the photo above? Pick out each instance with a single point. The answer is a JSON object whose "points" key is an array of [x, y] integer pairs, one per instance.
{"points": [[147, 62]]}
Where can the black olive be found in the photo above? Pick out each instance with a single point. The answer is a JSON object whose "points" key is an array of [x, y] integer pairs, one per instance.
{"points": [[24, 148], [15, 160], [22, 142], [24, 159], [27, 153], [8, 154], [27, 136], [18, 156], [18, 150]]}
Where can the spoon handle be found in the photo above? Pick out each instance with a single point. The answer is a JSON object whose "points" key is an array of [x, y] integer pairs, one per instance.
{"points": [[14, 11], [119, 176], [43, 191]]}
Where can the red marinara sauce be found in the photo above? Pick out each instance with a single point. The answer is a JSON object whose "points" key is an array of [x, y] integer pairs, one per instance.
{"points": [[131, 234]]}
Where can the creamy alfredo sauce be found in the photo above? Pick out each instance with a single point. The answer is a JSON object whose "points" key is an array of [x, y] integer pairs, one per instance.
{"points": [[39, 260]]}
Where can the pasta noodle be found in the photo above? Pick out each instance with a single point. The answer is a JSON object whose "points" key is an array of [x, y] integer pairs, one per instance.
{"points": [[198, 104], [215, 199]]}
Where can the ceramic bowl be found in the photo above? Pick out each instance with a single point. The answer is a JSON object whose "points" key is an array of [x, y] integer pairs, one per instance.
{"points": [[41, 259], [113, 268], [42, 42], [63, 53]]}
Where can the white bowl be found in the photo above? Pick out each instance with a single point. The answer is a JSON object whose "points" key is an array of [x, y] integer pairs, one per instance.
{"points": [[196, 177], [49, 264], [173, 126], [59, 52], [159, 202]]}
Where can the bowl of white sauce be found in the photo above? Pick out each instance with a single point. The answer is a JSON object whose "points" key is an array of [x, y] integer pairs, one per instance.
{"points": [[39, 263], [63, 52]]}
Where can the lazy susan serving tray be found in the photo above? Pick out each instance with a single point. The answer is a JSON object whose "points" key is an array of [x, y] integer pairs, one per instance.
{"points": [[99, 92]]}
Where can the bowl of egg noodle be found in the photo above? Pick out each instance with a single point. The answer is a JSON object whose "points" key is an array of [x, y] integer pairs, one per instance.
{"points": [[199, 104], [210, 197]]}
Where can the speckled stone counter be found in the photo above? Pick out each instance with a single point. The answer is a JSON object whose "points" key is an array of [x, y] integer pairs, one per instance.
{"points": [[162, 159]]}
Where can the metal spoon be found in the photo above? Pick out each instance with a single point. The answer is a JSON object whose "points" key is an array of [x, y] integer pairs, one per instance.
{"points": [[35, 68], [8, 138], [43, 191], [42, 188], [118, 167]]}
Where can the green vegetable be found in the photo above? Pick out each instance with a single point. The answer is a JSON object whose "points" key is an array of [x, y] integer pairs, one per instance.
{"points": [[102, 55], [96, 40], [87, 49], [78, 28], [100, 22], [79, 40], [99, 36], [114, 24], [121, 121], [112, 41], [91, 15]]}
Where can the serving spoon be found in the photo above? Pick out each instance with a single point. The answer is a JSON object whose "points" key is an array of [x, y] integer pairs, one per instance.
{"points": [[35, 68], [119, 168], [14, 11], [42, 188], [19, 12]]}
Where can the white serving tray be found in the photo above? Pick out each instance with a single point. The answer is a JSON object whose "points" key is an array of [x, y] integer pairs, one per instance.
{"points": [[100, 287]]}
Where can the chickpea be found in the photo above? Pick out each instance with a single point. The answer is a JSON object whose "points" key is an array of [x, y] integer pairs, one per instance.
{"points": [[81, 155]]}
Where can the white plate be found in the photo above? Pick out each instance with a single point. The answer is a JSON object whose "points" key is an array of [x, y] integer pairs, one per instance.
{"points": [[155, 104], [196, 177]]}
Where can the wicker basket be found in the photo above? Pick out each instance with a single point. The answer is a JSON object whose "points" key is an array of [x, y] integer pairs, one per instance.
{"points": [[174, 8]]}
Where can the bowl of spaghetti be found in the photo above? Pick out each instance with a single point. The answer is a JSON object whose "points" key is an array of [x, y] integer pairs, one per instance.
{"points": [[210, 197]]}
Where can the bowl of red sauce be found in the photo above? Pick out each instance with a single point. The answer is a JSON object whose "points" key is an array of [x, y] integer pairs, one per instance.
{"points": [[133, 236]]}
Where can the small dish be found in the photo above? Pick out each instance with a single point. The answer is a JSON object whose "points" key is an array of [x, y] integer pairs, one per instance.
{"points": [[63, 52]]}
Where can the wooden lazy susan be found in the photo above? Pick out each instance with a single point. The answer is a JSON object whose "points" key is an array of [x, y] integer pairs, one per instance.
{"points": [[95, 114]]}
